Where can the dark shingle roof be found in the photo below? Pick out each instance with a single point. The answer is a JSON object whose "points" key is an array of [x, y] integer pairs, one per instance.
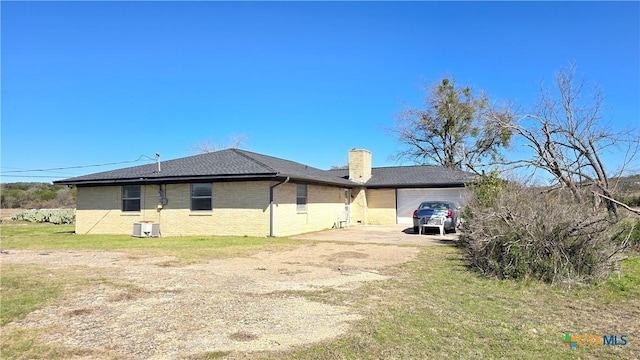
{"points": [[231, 164], [413, 176], [235, 164]]}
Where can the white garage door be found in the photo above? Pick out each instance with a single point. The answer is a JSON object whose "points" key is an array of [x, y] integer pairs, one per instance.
{"points": [[409, 199]]}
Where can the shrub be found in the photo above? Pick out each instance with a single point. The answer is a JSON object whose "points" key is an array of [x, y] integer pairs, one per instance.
{"points": [[531, 234], [54, 216], [631, 200], [631, 227], [487, 188]]}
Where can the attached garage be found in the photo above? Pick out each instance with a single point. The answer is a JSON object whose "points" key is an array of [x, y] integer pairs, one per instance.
{"points": [[407, 200], [393, 193]]}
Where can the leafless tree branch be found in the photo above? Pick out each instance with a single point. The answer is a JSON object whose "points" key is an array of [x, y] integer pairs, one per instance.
{"points": [[232, 142], [567, 137], [635, 211]]}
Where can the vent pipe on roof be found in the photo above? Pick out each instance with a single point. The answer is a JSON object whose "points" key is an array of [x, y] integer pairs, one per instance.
{"points": [[158, 161]]}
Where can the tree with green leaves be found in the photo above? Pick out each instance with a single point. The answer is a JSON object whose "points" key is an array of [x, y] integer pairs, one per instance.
{"points": [[457, 128]]}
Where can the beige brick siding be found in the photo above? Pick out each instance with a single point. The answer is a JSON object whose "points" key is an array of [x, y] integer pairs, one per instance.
{"points": [[98, 211], [381, 206], [239, 208], [358, 206], [324, 205]]}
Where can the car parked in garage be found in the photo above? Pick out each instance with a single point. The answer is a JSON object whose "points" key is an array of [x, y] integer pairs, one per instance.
{"points": [[429, 210]]}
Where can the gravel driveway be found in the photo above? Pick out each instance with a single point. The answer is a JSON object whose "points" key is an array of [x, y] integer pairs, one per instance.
{"points": [[381, 234], [144, 309]]}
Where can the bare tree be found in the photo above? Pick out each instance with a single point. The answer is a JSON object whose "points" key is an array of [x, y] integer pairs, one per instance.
{"points": [[568, 138], [456, 128], [232, 142]]}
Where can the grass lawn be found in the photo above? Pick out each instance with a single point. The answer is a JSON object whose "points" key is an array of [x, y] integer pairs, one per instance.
{"points": [[432, 308], [191, 248]]}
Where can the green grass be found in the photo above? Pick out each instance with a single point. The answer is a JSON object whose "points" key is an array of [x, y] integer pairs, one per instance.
{"points": [[627, 282], [432, 308], [187, 248], [436, 308], [25, 288], [23, 344]]}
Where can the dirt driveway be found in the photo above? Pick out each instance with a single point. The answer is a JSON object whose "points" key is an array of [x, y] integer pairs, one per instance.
{"points": [[145, 308]]}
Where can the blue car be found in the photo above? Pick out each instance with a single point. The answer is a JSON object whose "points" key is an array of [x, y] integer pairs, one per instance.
{"points": [[432, 209]]}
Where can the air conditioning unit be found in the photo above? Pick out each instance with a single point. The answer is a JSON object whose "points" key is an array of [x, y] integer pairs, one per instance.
{"points": [[146, 229]]}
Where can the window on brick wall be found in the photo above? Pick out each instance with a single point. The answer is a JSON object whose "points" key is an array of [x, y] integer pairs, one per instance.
{"points": [[301, 197], [201, 197], [131, 195]]}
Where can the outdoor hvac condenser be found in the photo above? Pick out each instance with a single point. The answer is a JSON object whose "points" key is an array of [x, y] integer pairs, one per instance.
{"points": [[146, 229]]}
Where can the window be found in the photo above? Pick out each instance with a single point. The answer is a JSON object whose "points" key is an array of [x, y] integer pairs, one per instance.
{"points": [[131, 198], [301, 197], [201, 197]]}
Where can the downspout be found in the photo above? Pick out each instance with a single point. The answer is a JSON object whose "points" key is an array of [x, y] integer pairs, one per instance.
{"points": [[271, 204]]}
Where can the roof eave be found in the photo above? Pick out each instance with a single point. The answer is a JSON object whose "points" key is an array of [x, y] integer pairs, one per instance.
{"points": [[168, 179], [186, 179]]}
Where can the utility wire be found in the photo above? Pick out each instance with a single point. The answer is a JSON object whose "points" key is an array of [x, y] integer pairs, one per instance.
{"points": [[32, 176], [80, 166]]}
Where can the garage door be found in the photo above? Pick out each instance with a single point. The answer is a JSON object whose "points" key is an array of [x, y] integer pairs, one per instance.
{"points": [[409, 199]]}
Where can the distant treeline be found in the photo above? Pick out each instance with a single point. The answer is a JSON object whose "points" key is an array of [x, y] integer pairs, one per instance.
{"points": [[32, 195], [628, 190]]}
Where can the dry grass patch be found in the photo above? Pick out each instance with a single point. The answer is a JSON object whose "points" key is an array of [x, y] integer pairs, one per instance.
{"points": [[79, 312], [242, 336], [346, 255], [128, 294]]}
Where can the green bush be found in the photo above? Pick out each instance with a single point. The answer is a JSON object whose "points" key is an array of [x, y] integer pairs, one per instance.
{"points": [[630, 231], [54, 216], [632, 201], [487, 188]]}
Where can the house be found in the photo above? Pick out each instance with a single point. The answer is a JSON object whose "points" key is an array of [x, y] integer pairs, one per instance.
{"points": [[237, 192]]}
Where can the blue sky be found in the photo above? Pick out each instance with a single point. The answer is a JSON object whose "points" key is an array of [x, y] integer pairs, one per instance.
{"points": [[101, 82]]}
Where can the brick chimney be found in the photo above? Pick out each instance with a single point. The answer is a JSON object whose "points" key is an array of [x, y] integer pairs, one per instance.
{"points": [[359, 165]]}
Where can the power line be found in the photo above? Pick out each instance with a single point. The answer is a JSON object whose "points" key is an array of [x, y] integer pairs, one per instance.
{"points": [[31, 176], [78, 166]]}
